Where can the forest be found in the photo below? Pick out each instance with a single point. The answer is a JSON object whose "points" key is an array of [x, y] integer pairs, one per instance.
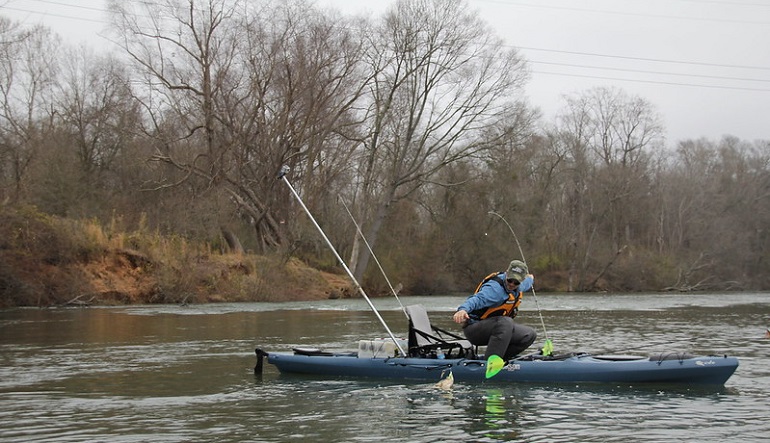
{"points": [[411, 126]]}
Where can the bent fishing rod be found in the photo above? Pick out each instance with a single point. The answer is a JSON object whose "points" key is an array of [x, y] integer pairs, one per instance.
{"points": [[539, 312], [282, 175]]}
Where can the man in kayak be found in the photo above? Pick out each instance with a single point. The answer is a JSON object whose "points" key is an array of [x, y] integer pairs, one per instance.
{"points": [[487, 315]]}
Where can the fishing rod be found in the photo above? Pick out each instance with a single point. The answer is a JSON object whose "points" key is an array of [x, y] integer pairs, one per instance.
{"points": [[361, 234], [539, 312], [282, 175]]}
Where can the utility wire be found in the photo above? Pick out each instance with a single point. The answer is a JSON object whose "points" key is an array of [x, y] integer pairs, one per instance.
{"points": [[589, 54], [69, 5], [631, 14], [592, 54], [656, 82], [657, 60], [51, 14], [640, 71]]}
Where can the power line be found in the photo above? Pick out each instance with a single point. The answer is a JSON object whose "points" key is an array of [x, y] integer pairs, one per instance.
{"points": [[632, 14], [639, 71], [50, 2], [51, 14], [765, 68], [653, 82], [488, 1], [717, 2], [609, 56], [104, 12]]}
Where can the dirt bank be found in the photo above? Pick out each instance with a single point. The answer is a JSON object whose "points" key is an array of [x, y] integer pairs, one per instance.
{"points": [[47, 261]]}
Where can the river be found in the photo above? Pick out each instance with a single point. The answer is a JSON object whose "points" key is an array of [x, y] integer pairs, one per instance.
{"points": [[185, 374]]}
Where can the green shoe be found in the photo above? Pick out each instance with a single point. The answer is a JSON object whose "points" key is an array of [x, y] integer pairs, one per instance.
{"points": [[494, 365]]}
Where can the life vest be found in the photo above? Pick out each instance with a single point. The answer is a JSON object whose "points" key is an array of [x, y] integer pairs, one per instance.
{"points": [[509, 308]]}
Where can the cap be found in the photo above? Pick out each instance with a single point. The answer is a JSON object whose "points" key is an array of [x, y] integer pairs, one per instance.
{"points": [[517, 269]]}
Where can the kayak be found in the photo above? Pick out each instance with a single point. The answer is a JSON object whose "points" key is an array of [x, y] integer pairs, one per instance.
{"points": [[431, 353], [674, 368]]}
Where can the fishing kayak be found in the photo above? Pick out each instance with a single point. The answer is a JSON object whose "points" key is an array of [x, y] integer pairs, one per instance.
{"points": [[431, 353], [674, 368]]}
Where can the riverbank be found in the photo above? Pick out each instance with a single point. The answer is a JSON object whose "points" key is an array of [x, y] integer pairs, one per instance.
{"points": [[50, 261]]}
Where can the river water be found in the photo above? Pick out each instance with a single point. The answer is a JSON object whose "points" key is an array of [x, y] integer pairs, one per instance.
{"points": [[185, 374]]}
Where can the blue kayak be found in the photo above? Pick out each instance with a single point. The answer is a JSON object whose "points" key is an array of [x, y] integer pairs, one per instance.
{"points": [[573, 368], [431, 353]]}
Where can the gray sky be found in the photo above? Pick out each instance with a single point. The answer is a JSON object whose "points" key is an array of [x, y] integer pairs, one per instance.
{"points": [[704, 64]]}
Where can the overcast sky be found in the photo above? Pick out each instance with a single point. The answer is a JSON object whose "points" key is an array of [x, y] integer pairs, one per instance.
{"points": [[703, 64]]}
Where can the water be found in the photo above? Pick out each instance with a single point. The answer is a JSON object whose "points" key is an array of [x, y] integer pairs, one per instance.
{"points": [[185, 374]]}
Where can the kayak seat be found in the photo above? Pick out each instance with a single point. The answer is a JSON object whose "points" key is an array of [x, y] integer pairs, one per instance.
{"points": [[428, 341]]}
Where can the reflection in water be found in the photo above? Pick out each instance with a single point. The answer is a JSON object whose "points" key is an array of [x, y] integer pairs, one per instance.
{"points": [[171, 374], [499, 416], [495, 404]]}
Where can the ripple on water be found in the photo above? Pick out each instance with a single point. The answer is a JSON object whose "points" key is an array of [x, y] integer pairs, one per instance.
{"points": [[171, 377]]}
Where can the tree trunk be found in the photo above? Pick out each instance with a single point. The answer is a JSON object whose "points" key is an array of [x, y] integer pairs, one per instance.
{"points": [[233, 243]]}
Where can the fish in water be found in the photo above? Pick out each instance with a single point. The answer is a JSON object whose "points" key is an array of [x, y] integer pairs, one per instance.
{"points": [[767, 333], [446, 384]]}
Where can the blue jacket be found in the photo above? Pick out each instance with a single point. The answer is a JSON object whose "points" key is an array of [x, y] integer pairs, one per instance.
{"points": [[490, 295]]}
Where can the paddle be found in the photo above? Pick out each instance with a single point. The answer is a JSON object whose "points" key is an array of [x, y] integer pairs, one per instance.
{"points": [[494, 365], [547, 348]]}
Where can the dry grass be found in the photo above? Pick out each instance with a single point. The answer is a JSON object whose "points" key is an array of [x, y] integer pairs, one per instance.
{"points": [[48, 261]]}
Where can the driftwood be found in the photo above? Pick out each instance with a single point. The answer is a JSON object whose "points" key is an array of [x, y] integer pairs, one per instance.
{"points": [[683, 283], [606, 267], [78, 302]]}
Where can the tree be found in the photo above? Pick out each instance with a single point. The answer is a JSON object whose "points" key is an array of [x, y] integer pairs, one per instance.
{"points": [[608, 138], [28, 64], [439, 79], [714, 206], [96, 108], [234, 93]]}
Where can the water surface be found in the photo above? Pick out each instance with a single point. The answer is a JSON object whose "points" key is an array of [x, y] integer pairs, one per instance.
{"points": [[185, 374]]}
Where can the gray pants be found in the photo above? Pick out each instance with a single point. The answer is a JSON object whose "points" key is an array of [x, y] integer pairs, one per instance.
{"points": [[501, 336]]}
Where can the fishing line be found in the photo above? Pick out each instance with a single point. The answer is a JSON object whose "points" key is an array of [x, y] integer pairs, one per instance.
{"points": [[539, 312], [361, 234]]}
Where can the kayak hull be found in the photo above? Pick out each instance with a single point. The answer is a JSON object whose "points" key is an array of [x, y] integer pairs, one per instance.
{"points": [[668, 368]]}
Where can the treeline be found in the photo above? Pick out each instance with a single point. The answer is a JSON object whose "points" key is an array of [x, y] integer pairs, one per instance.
{"points": [[415, 121]]}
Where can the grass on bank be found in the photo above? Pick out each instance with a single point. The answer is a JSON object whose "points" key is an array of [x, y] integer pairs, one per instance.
{"points": [[50, 261]]}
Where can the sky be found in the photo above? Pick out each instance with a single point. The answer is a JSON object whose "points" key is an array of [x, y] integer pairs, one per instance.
{"points": [[703, 64]]}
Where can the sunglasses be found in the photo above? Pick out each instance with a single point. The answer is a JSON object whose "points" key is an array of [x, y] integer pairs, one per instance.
{"points": [[514, 281]]}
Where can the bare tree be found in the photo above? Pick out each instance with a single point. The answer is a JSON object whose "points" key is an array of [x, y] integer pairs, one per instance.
{"points": [[28, 63], [305, 81], [439, 79], [715, 206], [235, 92], [608, 137], [573, 207], [96, 108]]}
